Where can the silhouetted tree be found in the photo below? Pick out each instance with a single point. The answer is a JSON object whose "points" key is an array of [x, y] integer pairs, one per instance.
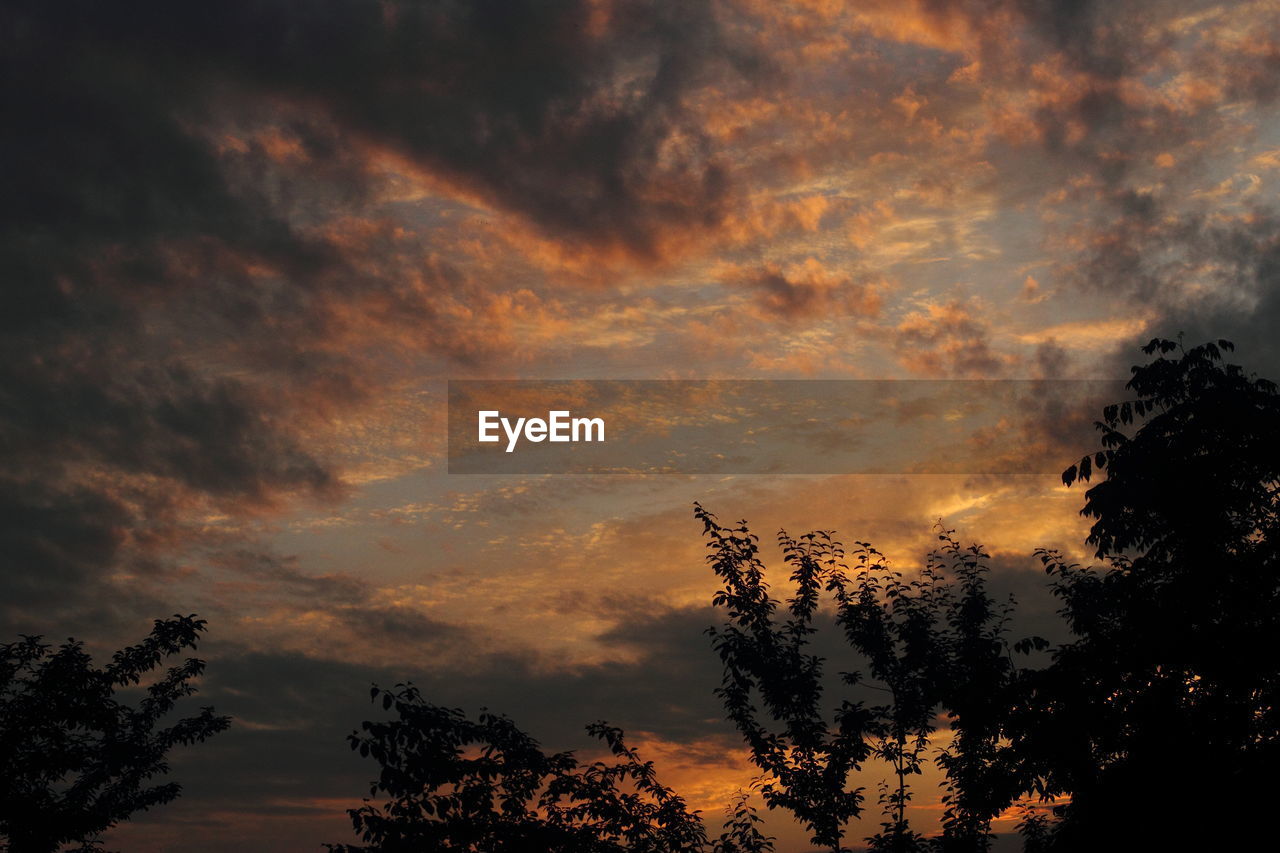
{"points": [[1198, 475], [1154, 727], [76, 755], [806, 762], [486, 786], [930, 642], [1167, 692], [978, 687], [742, 829], [895, 624]]}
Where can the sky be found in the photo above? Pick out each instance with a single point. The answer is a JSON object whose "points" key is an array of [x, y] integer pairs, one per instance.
{"points": [[247, 244]]}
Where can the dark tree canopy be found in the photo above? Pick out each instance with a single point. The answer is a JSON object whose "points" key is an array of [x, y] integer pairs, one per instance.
{"points": [[920, 644], [1155, 725], [1192, 461], [1171, 680], [485, 786], [77, 756]]}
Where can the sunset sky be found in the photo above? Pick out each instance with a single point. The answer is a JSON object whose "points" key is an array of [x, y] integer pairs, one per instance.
{"points": [[246, 244]]}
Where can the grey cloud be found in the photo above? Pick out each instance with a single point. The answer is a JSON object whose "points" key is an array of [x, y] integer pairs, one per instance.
{"points": [[169, 293]]}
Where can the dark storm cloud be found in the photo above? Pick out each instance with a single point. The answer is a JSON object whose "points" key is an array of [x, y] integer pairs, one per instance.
{"points": [[1152, 101], [1210, 277], [173, 284], [164, 434], [953, 339], [567, 111], [808, 290], [1114, 82], [283, 576], [51, 540], [162, 421], [1105, 39]]}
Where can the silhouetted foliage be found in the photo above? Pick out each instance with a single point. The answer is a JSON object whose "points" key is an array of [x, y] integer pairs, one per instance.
{"points": [[1199, 472], [928, 642], [1153, 727], [741, 830], [486, 786], [76, 756], [807, 762], [977, 687], [1035, 828], [1168, 690]]}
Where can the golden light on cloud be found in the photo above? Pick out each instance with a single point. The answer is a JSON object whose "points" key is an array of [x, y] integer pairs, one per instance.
{"points": [[251, 250]]}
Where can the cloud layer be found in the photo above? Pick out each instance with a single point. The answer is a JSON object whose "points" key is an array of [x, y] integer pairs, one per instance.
{"points": [[244, 244]]}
